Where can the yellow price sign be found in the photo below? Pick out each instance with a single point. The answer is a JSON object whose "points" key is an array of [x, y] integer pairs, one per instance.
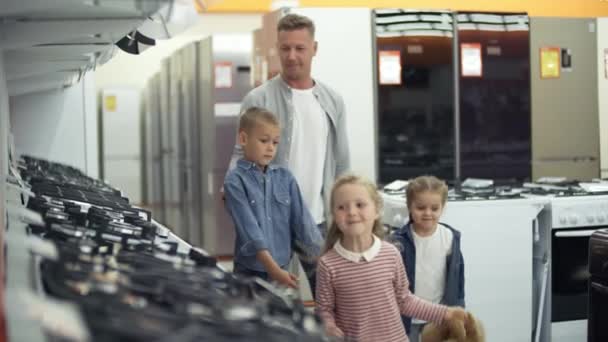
{"points": [[549, 62], [110, 103]]}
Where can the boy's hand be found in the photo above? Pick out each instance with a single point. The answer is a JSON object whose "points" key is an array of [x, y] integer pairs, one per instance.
{"points": [[333, 331], [285, 278], [275, 272], [455, 320]]}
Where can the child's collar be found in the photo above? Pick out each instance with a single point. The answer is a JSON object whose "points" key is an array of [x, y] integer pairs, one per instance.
{"points": [[247, 165]]}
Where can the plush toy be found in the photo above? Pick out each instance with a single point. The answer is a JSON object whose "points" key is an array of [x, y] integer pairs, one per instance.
{"points": [[455, 332]]}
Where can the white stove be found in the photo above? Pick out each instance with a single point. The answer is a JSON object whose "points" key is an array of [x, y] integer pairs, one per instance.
{"points": [[573, 220]]}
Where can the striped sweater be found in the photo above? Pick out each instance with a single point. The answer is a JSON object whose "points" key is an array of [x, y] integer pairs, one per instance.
{"points": [[365, 299]]}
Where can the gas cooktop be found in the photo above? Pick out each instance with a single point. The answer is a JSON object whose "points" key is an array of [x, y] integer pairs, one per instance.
{"points": [[477, 189]]}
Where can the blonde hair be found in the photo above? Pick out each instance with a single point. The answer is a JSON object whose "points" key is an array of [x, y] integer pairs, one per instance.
{"points": [[334, 233], [423, 184], [253, 116], [292, 22]]}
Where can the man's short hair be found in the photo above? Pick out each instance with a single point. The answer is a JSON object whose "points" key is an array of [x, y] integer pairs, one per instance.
{"points": [[292, 22], [253, 116]]}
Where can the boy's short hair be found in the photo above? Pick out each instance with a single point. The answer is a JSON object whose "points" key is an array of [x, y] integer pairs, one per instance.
{"points": [[254, 115], [292, 22]]}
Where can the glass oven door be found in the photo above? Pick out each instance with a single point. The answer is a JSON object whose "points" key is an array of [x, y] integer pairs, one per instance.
{"points": [[570, 273], [598, 310]]}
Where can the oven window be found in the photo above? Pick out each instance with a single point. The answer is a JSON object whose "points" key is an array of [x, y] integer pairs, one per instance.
{"points": [[570, 274], [598, 330]]}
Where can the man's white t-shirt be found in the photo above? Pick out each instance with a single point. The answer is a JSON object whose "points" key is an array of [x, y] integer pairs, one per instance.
{"points": [[308, 148], [431, 263]]}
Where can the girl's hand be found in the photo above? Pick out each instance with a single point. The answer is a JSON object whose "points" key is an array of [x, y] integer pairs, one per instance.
{"points": [[333, 331], [456, 314], [455, 320]]}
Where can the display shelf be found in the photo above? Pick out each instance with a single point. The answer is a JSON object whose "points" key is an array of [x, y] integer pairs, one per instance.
{"points": [[50, 44]]}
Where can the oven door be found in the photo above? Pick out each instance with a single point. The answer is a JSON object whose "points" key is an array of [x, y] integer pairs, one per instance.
{"points": [[570, 273], [598, 310]]}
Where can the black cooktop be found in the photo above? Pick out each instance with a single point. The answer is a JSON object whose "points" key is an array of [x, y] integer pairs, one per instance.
{"points": [[517, 190]]}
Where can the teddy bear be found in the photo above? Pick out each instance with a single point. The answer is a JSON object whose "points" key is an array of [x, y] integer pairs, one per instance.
{"points": [[469, 331]]}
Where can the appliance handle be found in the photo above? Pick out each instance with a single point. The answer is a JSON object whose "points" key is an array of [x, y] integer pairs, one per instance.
{"points": [[536, 230], [576, 233], [541, 302], [578, 158], [600, 288]]}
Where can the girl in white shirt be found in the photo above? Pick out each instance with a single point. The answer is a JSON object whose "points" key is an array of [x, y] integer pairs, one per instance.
{"points": [[430, 249]]}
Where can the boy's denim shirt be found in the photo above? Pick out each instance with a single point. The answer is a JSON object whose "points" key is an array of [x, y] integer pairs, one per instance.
{"points": [[268, 213], [276, 96]]}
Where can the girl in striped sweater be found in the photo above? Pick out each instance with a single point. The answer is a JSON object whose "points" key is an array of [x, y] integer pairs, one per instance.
{"points": [[362, 287]]}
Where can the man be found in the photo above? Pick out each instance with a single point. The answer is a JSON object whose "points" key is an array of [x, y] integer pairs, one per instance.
{"points": [[314, 145]]}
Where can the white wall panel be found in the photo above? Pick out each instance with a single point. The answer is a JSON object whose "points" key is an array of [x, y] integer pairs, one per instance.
{"points": [[344, 61], [121, 124], [91, 125], [4, 124], [121, 139], [602, 50], [58, 125]]}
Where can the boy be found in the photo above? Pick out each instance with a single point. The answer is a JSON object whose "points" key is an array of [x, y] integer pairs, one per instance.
{"points": [[266, 205]]}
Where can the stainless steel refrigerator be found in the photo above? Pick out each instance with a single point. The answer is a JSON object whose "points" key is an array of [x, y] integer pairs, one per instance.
{"points": [[153, 196], [200, 89], [453, 94], [565, 121]]}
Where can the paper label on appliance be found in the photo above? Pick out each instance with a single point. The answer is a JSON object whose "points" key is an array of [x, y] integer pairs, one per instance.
{"points": [[470, 57], [389, 67], [493, 51], [606, 63], [223, 75], [227, 109], [549, 62], [415, 49], [110, 103]]}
